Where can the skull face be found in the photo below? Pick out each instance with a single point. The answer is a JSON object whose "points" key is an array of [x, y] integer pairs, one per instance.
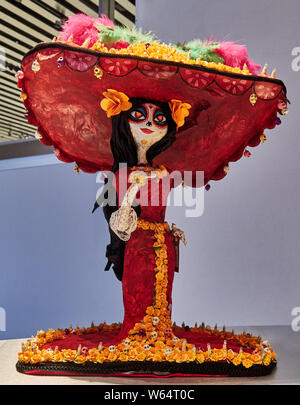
{"points": [[155, 320], [154, 334], [148, 124], [35, 66]]}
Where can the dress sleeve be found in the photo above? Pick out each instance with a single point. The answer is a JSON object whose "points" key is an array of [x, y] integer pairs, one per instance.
{"points": [[115, 250]]}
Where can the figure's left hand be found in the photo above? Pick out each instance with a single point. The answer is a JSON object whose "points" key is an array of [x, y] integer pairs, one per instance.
{"points": [[178, 233]]}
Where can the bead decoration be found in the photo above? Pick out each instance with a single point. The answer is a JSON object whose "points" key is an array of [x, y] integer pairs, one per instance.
{"points": [[253, 99]]}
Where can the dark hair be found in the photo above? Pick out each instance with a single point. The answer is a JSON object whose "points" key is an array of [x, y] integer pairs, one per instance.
{"points": [[124, 150], [122, 144]]}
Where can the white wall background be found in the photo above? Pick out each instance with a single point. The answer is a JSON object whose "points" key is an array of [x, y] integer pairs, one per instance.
{"points": [[241, 265]]}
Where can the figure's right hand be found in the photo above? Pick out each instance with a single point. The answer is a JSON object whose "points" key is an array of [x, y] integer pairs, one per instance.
{"points": [[138, 177]]}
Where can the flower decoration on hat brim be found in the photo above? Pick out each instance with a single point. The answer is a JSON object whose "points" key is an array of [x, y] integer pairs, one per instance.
{"points": [[114, 102], [179, 110]]}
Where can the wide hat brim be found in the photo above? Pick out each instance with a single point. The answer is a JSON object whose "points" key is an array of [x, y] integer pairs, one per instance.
{"points": [[63, 98]]}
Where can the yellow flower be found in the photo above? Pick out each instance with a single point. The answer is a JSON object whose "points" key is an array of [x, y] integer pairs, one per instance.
{"points": [[112, 357], [200, 357], [47, 356], [256, 358], [179, 111], [159, 276], [93, 354], [26, 356], [123, 357], [69, 354], [230, 355], [214, 356], [150, 311], [191, 356], [247, 363], [80, 359], [267, 360], [36, 358], [114, 102], [157, 357], [141, 356], [57, 357], [23, 96], [100, 358], [50, 336]]}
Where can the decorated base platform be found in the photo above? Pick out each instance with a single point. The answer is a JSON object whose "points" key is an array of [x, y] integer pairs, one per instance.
{"points": [[100, 350]]}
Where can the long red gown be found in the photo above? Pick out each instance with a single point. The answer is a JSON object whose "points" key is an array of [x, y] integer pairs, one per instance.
{"points": [[139, 275]]}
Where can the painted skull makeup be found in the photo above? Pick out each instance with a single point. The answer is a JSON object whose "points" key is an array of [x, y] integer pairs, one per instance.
{"points": [[148, 125]]}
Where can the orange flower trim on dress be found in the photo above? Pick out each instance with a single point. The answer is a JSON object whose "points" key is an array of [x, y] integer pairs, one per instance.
{"points": [[114, 102], [152, 338]]}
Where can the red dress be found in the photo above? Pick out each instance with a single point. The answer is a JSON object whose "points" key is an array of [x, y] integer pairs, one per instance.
{"points": [[140, 260]]}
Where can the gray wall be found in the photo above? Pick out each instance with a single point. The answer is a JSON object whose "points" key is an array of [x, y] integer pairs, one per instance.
{"points": [[241, 265]]}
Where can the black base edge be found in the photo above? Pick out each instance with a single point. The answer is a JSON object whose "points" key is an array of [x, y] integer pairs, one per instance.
{"points": [[147, 367]]}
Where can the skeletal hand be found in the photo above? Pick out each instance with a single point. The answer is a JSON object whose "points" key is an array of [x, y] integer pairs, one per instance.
{"points": [[139, 177], [178, 233]]}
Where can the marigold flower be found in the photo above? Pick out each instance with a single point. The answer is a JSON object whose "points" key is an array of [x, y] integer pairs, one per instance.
{"points": [[69, 355], [157, 357], [100, 358], [123, 357], [200, 357], [114, 102], [36, 358], [80, 359], [230, 355], [112, 357], [46, 356], [256, 358], [150, 311], [92, 355], [237, 360], [57, 357], [26, 356], [247, 363], [214, 356], [23, 96], [179, 111], [159, 276], [267, 360]]}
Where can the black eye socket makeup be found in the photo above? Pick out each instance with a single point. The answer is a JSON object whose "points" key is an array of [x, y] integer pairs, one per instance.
{"points": [[160, 118], [138, 114]]}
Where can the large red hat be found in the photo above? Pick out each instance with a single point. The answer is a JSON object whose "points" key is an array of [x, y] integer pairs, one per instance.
{"points": [[63, 84]]}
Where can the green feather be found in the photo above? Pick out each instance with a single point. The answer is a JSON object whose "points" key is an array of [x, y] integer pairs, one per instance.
{"points": [[132, 35], [202, 50]]}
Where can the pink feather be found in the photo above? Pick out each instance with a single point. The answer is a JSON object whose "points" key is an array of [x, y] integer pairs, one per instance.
{"points": [[82, 27], [235, 55]]}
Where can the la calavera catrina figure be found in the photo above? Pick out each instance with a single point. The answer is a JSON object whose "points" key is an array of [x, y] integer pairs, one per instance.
{"points": [[116, 100]]}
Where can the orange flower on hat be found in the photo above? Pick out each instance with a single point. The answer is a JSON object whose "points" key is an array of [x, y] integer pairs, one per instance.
{"points": [[114, 102], [179, 111]]}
